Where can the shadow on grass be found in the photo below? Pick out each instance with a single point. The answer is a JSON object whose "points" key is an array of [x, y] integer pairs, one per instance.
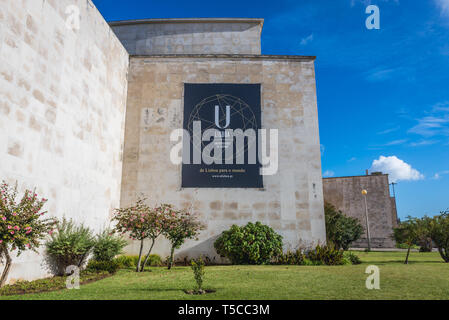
{"points": [[157, 289], [212, 290], [383, 262]]}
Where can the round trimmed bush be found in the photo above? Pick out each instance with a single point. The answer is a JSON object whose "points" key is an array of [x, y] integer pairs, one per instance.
{"points": [[254, 243]]}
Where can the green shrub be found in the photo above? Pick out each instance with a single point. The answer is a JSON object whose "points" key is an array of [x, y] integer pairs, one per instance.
{"points": [[107, 246], [405, 246], [439, 232], [69, 245], [95, 266], [341, 230], [353, 258], [290, 258], [308, 262], [127, 261], [198, 272], [327, 254], [254, 243]]}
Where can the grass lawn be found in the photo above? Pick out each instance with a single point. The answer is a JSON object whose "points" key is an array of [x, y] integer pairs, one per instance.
{"points": [[426, 277]]}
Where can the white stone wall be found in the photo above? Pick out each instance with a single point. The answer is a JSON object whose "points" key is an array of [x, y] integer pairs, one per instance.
{"points": [[62, 111], [292, 201], [190, 36]]}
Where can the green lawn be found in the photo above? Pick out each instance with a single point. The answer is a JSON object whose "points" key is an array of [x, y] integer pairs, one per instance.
{"points": [[426, 277]]}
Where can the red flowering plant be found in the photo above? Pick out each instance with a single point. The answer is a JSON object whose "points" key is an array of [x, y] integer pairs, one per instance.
{"points": [[22, 225], [140, 222], [182, 226], [159, 223]]}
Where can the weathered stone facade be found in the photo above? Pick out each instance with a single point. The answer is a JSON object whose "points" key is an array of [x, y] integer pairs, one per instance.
{"points": [[63, 100], [291, 202], [62, 112], [345, 193], [190, 36]]}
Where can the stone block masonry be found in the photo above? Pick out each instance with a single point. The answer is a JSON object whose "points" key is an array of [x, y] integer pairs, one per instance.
{"points": [[65, 95], [62, 112], [190, 36], [291, 201], [345, 194]]}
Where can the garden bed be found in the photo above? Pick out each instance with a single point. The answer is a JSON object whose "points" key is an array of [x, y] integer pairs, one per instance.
{"points": [[49, 284]]}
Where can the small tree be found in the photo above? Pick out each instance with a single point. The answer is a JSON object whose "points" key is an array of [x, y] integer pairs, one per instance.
{"points": [[408, 232], [22, 225], [423, 230], [180, 227], [197, 266], [159, 219], [134, 221], [439, 232], [341, 230], [141, 222]]}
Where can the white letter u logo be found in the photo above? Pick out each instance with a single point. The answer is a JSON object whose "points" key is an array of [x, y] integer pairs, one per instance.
{"points": [[217, 117]]}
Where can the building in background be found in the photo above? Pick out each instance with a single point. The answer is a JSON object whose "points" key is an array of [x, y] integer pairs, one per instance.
{"points": [[345, 193]]}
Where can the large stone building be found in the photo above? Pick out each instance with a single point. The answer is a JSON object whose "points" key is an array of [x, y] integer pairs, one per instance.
{"points": [[165, 54], [345, 193], [88, 120]]}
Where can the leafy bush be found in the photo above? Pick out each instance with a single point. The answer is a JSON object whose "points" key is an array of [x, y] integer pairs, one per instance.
{"points": [[95, 266], [290, 258], [439, 232], [328, 255], [308, 262], [353, 258], [250, 244], [70, 245], [341, 230], [127, 261], [409, 232], [405, 246], [107, 246], [198, 272], [22, 225]]}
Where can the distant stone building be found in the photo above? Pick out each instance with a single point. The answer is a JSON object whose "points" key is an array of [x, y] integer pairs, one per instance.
{"points": [[345, 193]]}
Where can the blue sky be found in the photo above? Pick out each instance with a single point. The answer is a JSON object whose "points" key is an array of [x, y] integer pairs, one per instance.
{"points": [[383, 95]]}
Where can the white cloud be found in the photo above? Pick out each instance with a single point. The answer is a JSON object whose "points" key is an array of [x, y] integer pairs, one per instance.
{"points": [[444, 6], [424, 143], [432, 126], [396, 168], [439, 174], [306, 40], [328, 174], [441, 106], [395, 142], [386, 131]]}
